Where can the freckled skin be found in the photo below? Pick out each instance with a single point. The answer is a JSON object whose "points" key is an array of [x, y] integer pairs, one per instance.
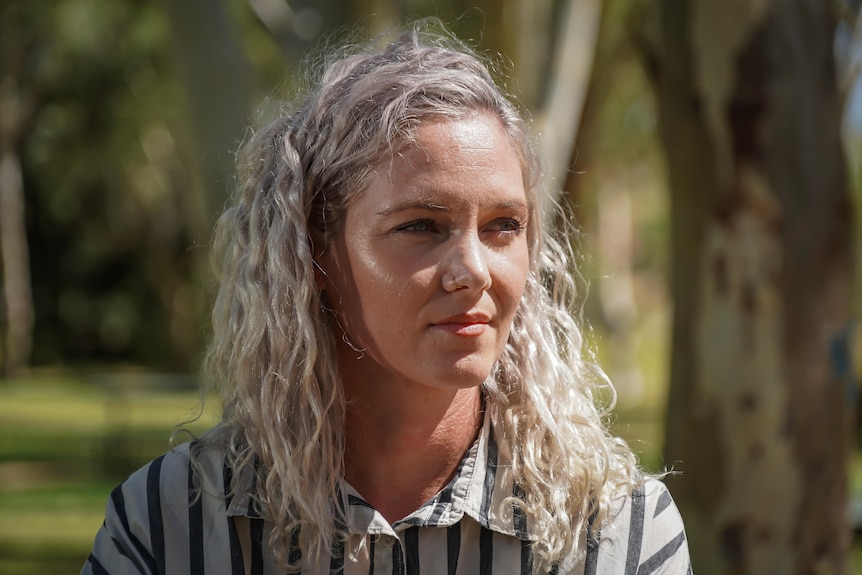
{"points": [[450, 206]]}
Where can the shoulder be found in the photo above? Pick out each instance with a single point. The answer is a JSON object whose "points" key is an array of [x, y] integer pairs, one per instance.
{"points": [[645, 534], [654, 502], [174, 478], [155, 505], [184, 476]]}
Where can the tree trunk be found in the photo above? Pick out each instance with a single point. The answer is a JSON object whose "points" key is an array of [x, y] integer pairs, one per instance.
{"points": [[572, 62], [17, 107], [761, 403], [528, 24], [17, 296], [216, 79]]}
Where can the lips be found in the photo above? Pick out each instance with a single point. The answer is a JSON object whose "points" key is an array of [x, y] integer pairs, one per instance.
{"points": [[468, 325]]}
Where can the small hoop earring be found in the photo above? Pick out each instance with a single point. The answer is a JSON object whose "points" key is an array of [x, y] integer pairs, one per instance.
{"points": [[351, 345], [324, 303]]}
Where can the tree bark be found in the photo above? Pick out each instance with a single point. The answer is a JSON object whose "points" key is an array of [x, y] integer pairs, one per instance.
{"points": [[216, 78], [17, 105], [760, 412], [16, 268], [569, 81], [528, 23]]}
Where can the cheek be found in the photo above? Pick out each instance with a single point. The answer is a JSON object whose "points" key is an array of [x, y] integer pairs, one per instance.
{"points": [[513, 280], [379, 297], [385, 273]]}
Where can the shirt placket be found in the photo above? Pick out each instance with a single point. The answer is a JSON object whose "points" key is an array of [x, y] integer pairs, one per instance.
{"points": [[387, 553]]}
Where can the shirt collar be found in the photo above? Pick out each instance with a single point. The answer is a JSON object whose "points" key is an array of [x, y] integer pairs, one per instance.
{"points": [[478, 490]]}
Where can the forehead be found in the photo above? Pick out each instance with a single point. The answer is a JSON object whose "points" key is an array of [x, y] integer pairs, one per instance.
{"points": [[456, 156]]}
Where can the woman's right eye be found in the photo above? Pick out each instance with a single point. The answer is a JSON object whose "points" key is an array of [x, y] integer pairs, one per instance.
{"points": [[418, 226]]}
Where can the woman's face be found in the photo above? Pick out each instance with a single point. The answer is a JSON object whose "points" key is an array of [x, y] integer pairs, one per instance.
{"points": [[431, 261]]}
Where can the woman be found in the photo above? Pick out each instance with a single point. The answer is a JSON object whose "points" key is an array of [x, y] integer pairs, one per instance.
{"points": [[404, 387]]}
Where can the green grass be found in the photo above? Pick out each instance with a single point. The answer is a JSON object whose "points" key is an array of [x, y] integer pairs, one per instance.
{"points": [[63, 517], [64, 444]]}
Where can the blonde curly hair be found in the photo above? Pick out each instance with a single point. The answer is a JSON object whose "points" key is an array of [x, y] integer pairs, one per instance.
{"points": [[272, 355]]}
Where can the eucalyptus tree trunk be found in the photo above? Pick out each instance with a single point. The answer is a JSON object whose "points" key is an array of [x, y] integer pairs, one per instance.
{"points": [[17, 337], [216, 79], [760, 412], [17, 105], [571, 64]]}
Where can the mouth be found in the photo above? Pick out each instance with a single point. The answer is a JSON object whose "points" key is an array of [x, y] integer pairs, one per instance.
{"points": [[467, 325]]}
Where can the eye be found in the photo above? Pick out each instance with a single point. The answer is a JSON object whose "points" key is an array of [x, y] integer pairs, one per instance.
{"points": [[513, 226], [418, 226]]}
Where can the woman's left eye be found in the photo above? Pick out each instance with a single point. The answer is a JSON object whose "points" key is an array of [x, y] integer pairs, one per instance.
{"points": [[508, 225]]}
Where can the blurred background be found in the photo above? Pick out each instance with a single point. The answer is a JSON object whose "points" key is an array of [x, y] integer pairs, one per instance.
{"points": [[704, 147]]}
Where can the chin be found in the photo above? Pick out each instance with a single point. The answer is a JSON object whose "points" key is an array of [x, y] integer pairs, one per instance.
{"points": [[467, 375]]}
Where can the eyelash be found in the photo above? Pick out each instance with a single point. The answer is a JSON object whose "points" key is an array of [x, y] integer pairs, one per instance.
{"points": [[517, 226], [411, 226]]}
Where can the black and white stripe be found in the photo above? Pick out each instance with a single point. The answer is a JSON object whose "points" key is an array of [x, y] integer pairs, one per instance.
{"points": [[166, 519]]}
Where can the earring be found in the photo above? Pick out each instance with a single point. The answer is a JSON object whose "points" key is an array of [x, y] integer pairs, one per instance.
{"points": [[324, 304], [351, 345]]}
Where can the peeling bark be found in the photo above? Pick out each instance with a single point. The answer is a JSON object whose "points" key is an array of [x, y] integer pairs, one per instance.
{"points": [[761, 404]]}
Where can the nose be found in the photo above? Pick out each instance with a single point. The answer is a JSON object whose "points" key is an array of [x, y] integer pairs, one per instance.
{"points": [[466, 265]]}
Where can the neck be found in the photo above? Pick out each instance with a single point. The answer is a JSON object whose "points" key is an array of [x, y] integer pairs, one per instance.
{"points": [[404, 444]]}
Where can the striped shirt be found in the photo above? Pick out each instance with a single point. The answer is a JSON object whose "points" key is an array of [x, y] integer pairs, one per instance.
{"points": [[155, 525]]}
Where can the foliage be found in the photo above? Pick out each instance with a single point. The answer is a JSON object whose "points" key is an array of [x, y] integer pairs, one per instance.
{"points": [[116, 216], [110, 244]]}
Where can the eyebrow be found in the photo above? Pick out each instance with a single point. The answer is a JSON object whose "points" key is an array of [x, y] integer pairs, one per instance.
{"points": [[423, 205], [417, 205]]}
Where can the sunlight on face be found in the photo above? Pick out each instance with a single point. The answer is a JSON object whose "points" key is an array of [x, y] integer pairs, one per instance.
{"points": [[432, 259]]}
